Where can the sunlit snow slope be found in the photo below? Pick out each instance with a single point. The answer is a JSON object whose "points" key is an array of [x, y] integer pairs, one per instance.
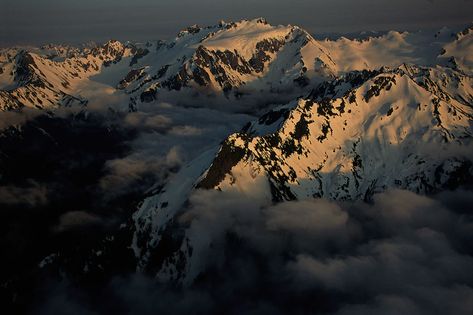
{"points": [[380, 123], [236, 65], [341, 119]]}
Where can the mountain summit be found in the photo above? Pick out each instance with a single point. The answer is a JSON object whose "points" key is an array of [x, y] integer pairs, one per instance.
{"points": [[241, 150], [243, 64]]}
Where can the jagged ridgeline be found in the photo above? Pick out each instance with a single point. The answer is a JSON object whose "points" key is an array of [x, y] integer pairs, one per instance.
{"points": [[229, 60], [247, 63], [353, 117], [360, 133]]}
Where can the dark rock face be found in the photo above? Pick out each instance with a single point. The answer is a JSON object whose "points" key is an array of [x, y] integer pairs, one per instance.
{"points": [[228, 157], [301, 128], [258, 60], [262, 21], [178, 81], [329, 89], [9, 101], [234, 60], [24, 68], [170, 244], [138, 55], [148, 96], [130, 77], [273, 116], [465, 32], [215, 62], [381, 83], [201, 76], [111, 53], [260, 57], [162, 72], [270, 45], [194, 29], [133, 75]]}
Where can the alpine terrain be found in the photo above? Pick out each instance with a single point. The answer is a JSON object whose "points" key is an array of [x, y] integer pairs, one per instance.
{"points": [[184, 157]]}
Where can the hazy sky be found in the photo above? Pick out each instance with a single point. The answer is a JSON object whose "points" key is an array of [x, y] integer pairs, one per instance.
{"points": [[41, 21]]}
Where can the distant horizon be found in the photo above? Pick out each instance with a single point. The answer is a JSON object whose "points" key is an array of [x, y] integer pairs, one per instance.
{"points": [[29, 23], [318, 35]]}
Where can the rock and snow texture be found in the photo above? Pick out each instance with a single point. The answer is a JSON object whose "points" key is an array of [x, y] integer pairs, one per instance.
{"points": [[460, 51], [350, 138], [356, 117], [231, 61], [400, 128], [52, 76], [245, 64], [377, 121]]}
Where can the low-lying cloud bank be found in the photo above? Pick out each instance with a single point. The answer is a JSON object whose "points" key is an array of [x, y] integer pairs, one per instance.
{"points": [[402, 254], [71, 177]]}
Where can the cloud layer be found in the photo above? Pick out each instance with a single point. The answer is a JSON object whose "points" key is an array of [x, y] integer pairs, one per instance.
{"points": [[402, 254]]}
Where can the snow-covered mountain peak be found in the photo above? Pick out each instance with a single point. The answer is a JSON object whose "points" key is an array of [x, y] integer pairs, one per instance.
{"points": [[459, 53], [389, 111], [238, 110], [244, 37], [406, 127], [230, 64]]}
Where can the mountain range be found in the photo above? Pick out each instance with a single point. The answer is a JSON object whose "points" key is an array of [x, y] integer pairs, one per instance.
{"points": [[342, 120]]}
